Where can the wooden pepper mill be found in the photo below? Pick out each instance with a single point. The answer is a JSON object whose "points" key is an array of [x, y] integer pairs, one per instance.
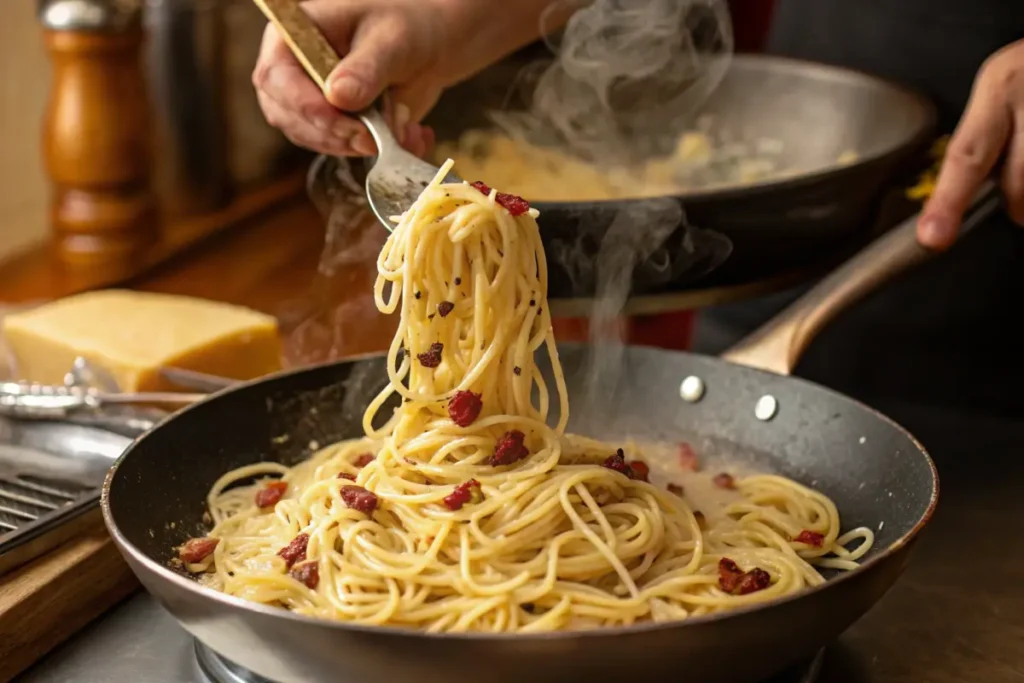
{"points": [[96, 134]]}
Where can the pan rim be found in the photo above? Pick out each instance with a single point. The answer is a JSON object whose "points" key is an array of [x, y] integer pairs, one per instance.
{"points": [[229, 601], [925, 109]]}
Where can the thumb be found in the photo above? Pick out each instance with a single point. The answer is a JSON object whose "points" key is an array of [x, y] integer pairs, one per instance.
{"points": [[365, 72]]}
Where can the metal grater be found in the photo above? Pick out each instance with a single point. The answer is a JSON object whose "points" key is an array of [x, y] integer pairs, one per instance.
{"points": [[50, 479], [56, 445]]}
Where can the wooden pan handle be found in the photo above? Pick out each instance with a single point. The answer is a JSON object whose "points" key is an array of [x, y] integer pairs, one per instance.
{"points": [[778, 344]]}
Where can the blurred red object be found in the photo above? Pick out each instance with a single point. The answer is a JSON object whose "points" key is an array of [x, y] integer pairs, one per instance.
{"points": [[751, 20], [672, 331]]}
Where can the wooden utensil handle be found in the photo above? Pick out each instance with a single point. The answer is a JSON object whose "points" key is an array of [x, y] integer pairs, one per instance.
{"points": [[305, 39]]}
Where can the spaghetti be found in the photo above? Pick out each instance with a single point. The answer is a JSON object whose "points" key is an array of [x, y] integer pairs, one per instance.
{"points": [[468, 510]]}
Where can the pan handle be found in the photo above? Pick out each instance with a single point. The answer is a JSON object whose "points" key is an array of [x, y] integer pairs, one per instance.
{"points": [[778, 344]]}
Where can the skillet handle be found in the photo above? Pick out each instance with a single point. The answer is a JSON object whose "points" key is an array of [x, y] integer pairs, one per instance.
{"points": [[778, 344]]}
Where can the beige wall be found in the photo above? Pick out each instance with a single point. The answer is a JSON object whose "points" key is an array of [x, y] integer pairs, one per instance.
{"points": [[24, 81]]}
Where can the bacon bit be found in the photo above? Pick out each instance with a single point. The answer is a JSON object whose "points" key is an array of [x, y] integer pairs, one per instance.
{"points": [[358, 498], [724, 481], [364, 460], [517, 371], [307, 573], [444, 308], [466, 492], [675, 489], [688, 457], [464, 408], [640, 470], [197, 549], [346, 475], [729, 575], [812, 538], [755, 580], [431, 358], [734, 580], [617, 463], [271, 493], [295, 551], [509, 449], [515, 205]]}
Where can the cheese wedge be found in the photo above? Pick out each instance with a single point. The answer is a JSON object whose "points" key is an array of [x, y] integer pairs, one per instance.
{"points": [[134, 334]]}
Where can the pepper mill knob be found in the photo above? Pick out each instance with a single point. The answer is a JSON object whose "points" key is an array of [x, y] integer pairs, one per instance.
{"points": [[96, 133]]}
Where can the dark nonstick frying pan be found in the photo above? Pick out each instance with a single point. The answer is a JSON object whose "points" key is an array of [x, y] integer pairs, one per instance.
{"points": [[879, 476]]}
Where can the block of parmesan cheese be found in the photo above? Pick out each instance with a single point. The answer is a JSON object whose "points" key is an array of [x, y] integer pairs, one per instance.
{"points": [[134, 334]]}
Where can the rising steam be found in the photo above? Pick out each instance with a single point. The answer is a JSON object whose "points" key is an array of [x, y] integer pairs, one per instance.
{"points": [[626, 81], [626, 78]]}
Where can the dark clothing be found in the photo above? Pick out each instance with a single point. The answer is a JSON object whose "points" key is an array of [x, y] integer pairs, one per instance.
{"points": [[934, 46], [946, 334]]}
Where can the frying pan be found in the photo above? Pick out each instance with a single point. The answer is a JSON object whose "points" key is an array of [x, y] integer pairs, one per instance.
{"points": [[817, 112], [879, 476]]}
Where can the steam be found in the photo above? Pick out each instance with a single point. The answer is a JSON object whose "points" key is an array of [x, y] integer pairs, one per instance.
{"points": [[339, 317], [636, 233], [626, 81]]}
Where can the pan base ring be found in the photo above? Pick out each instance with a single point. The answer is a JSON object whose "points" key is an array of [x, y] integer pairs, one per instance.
{"points": [[213, 668]]}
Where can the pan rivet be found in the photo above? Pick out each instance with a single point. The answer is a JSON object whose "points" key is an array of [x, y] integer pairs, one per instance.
{"points": [[766, 407], [692, 389]]}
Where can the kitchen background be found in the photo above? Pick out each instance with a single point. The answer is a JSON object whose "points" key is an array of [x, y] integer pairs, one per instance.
{"points": [[24, 83]]}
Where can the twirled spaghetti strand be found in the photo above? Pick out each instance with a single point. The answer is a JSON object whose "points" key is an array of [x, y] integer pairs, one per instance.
{"points": [[470, 509]]}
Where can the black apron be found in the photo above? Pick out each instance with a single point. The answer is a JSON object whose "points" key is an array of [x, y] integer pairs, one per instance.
{"points": [[946, 334]]}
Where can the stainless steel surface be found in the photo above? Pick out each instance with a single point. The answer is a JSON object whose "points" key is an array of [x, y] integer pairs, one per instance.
{"points": [[138, 642], [397, 177], [184, 60], [30, 400], [88, 15], [778, 344], [196, 381], [782, 223], [50, 474]]}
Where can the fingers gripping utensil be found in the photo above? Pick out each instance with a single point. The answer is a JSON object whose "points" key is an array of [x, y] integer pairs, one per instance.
{"points": [[397, 177]]}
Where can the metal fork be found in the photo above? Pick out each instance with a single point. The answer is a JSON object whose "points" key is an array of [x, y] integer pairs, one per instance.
{"points": [[397, 177]]}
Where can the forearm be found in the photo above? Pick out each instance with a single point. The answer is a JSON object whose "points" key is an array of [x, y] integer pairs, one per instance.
{"points": [[484, 31]]}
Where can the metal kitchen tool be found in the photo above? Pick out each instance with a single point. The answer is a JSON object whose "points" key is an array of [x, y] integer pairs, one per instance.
{"points": [[50, 477], [397, 177], [28, 400]]}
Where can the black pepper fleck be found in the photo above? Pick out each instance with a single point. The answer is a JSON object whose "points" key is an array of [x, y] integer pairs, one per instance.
{"points": [[517, 370], [458, 281]]}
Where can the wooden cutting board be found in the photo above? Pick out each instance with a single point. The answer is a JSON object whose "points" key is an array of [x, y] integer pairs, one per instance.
{"points": [[48, 600]]}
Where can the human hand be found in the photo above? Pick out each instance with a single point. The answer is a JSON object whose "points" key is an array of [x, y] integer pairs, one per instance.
{"points": [[395, 44], [993, 123]]}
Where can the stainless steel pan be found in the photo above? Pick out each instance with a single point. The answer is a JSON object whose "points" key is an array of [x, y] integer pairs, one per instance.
{"points": [[876, 472], [816, 112]]}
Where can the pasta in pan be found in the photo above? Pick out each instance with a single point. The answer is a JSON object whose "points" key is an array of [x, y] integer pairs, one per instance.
{"points": [[470, 509]]}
